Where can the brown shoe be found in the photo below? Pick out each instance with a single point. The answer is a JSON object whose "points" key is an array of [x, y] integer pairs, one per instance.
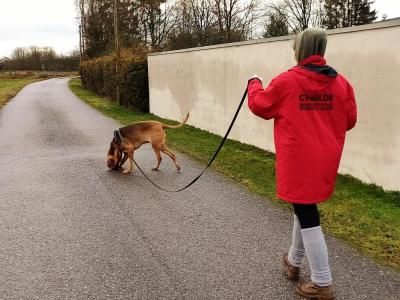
{"points": [[312, 291], [292, 272]]}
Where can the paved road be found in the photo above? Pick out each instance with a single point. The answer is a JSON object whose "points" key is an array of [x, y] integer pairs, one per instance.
{"points": [[71, 229]]}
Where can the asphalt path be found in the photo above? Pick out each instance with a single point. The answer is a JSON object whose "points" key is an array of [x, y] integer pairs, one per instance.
{"points": [[71, 229]]}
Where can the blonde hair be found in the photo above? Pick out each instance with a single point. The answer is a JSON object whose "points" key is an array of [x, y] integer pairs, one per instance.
{"points": [[311, 41]]}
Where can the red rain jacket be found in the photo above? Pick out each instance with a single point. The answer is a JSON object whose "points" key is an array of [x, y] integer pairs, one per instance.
{"points": [[312, 110]]}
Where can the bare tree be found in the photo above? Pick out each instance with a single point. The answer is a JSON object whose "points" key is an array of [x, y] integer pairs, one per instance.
{"points": [[196, 25], [156, 20], [300, 14], [234, 18], [160, 24], [203, 20]]}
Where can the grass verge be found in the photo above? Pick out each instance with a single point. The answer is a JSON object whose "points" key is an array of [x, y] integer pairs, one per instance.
{"points": [[364, 215], [10, 87]]}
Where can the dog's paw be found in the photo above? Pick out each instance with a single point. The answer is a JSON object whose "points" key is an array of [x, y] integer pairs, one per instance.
{"points": [[154, 169], [126, 171], [178, 169]]}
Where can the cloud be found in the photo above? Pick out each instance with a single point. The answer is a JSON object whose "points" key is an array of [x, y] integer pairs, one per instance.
{"points": [[41, 22], [37, 31], [389, 7]]}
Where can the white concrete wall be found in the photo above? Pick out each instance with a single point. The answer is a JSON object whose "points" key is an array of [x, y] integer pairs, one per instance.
{"points": [[208, 82]]}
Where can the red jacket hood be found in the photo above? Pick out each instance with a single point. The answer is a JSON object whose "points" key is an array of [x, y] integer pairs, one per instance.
{"points": [[314, 60]]}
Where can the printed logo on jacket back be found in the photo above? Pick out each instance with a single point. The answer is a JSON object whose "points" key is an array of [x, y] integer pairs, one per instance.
{"points": [[316, 102]]}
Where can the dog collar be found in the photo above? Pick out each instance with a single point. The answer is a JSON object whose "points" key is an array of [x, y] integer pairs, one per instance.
{"points": [[118, 136]]}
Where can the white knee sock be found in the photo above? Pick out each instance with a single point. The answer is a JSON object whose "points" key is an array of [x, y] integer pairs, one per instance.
{"points": [[317, 254], [296, 250]]}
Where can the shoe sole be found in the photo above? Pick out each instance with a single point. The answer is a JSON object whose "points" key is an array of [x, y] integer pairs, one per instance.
{"points": [[301, 293]]}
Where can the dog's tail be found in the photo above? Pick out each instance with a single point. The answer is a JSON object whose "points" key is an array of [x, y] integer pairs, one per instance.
{"points": [[179, 125]]}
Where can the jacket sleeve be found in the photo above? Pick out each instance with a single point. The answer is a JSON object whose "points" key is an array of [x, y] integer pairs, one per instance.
{"points": [[263, 103], [351, 108]]}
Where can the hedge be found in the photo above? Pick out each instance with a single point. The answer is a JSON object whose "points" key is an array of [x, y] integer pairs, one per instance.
{"points": [[98, 75]]}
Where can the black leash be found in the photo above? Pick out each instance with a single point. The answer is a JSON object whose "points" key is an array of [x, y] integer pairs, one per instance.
{"points": [[209, 164]]}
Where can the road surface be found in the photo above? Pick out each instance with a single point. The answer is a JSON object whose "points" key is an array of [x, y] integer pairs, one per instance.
{"points": [[71, 229]]}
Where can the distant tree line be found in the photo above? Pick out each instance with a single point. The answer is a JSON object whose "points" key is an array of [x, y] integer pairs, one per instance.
{"points": [[40, 59], [174, 24], [164, 24]]}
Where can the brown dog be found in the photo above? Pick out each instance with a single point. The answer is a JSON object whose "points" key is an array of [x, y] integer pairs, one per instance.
{"points": [[134, 136]]}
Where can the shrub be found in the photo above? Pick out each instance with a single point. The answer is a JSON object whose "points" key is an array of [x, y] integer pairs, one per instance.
{"points": [[98, 75]]}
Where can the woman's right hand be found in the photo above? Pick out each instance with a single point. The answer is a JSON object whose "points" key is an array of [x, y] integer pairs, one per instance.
{"points": [[255, 77]]}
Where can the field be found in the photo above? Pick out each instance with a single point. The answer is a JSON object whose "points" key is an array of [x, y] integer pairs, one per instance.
{"points": [[11, 82], [10, 87]]}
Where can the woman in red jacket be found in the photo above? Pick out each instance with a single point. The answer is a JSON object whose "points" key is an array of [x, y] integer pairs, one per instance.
{"points": [[312, 107]]}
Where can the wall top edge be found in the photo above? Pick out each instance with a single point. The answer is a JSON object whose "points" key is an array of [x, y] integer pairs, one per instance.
{"points": [[377, 25]]}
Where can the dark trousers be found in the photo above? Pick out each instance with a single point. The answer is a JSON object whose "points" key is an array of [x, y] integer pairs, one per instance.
{"points": [[307, 214]]}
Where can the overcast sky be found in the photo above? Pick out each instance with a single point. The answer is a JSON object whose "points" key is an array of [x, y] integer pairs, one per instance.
{"points": [[38, 22], [52, 23]]}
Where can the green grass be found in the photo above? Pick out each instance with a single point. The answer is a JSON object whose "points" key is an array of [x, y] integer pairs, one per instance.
{"points": [[10, 87], [364, 215]]}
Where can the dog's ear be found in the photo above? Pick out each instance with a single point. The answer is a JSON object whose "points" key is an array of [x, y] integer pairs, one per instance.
{"points": [[112, 148]]}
